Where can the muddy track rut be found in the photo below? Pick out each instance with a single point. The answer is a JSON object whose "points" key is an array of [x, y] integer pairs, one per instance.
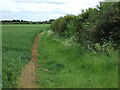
{"points": [[27, 78]]}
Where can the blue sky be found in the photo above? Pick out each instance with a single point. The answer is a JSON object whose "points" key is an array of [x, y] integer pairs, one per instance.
{"points": [[41, 10]]}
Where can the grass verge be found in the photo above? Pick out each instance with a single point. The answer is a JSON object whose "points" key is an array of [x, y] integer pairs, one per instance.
{"points": [[66, 64]]}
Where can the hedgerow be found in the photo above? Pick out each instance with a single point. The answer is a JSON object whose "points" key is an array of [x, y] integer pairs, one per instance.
{"points": [[93, 25]]}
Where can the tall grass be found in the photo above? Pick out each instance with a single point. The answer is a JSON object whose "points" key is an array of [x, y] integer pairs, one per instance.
{"points": [[66, 64], [16, 50]]}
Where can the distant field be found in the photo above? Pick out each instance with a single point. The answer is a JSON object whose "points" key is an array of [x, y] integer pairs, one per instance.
{"points": [[16, 50]]}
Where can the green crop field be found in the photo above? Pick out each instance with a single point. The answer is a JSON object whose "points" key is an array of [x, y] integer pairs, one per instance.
{"points": [[16, 50]]}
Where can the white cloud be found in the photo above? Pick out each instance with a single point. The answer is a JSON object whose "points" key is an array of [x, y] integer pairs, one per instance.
{"points": [[48, 8]]}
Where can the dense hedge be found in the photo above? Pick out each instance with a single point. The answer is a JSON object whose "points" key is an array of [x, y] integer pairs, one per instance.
{"points": [[93, 25]]}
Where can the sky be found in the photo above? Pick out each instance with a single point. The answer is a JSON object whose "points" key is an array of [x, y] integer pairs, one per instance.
{"points": [[41, 10]]}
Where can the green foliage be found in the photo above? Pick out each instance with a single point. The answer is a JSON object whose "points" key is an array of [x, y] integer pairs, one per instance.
{"points": [[16, 50], [61, 25], [107, 23], [93, 25]]}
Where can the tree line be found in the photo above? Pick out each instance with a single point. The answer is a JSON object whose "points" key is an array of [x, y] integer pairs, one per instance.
{"points": [[25, 22]]}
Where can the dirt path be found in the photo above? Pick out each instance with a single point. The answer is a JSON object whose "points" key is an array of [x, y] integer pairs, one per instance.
{"points": [[27, 78]]}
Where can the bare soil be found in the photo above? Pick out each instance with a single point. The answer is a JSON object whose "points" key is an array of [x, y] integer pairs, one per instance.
{"points": [[27, 78]]}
